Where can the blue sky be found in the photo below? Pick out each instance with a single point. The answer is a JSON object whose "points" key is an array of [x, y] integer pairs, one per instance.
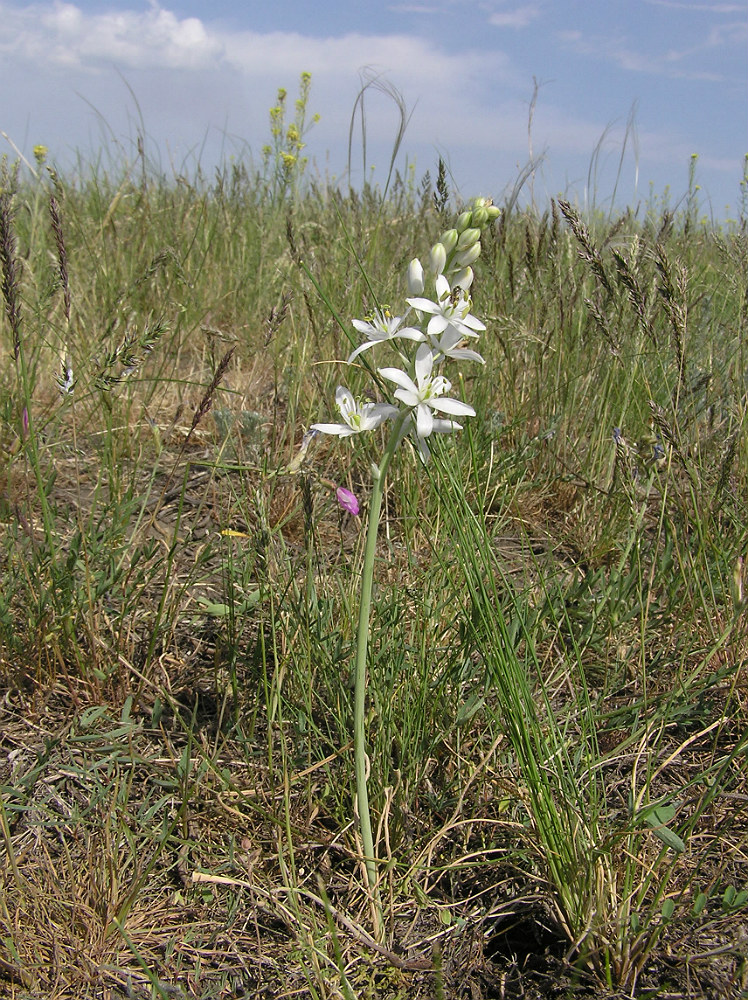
{"points": [[79, 76]]}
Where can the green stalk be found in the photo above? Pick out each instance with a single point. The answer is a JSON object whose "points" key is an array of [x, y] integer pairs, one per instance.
{"points": [[362, 650]]}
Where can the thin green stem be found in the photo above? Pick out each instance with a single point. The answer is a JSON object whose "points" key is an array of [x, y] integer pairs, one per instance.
{"points": [[362, 652]]}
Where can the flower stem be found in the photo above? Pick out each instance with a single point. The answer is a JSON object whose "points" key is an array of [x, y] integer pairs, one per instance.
{"points": [[362, 649]]}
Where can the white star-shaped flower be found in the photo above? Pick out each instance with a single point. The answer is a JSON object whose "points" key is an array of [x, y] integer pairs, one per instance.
{"points": [[382, 327], [452, 307], [426, 394], [357, 417]]}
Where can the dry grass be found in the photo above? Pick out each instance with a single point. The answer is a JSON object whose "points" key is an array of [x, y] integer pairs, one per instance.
{"points": [[173, 861]]}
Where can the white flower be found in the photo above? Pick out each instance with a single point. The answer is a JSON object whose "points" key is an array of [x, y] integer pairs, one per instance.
{"points": [[383, 327], [452, 306], [357, 417], [446, 346], [425, 394]]}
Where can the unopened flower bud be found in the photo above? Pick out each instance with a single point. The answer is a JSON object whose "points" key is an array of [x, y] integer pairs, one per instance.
{"points": [[466, 257], [438, 259], [463, 221], [463, 279], [449, 239], [468, 238], [480, 217], [347, 500], [415, 277]]}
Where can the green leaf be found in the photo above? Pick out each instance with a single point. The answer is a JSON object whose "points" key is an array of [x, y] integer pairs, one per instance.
{"points": [[699, 903], [469, 708], [657, 819], [225, 610], [91, 715]]}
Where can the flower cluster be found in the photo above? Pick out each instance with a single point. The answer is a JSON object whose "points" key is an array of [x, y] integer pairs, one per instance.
{"points": [[441, 327]]}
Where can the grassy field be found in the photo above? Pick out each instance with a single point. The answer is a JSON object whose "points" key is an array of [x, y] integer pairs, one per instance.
{"points": [[557, 699]]}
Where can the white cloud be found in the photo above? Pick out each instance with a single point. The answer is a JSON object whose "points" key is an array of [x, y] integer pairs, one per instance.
{"points": [[676, 64], [60, 34], [520, 17], [415, 8], [709, 8]]}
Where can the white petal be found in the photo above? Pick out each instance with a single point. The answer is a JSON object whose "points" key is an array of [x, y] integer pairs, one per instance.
{"points": [[445, 426], [442, 288], [341, 430], [411, 333], [407, 396], [473, 323], [399, 377], [440, 385], [464, 354], [424, 363], [362, 326], [373, 414], [344, 400], [437, 258], [423, 305], [360, 349], [453, 406], [449, 339], [437, 324], [424, 421]]}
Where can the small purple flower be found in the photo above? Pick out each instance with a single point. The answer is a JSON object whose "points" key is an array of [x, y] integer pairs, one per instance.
{"points": [[25, 423], [347, 500]]}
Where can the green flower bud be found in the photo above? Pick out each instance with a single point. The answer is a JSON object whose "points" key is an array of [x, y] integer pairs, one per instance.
{"points": [[466, 257], [438, 259], [480, 217], [449, 239], [463, 221], [468, 238]]}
